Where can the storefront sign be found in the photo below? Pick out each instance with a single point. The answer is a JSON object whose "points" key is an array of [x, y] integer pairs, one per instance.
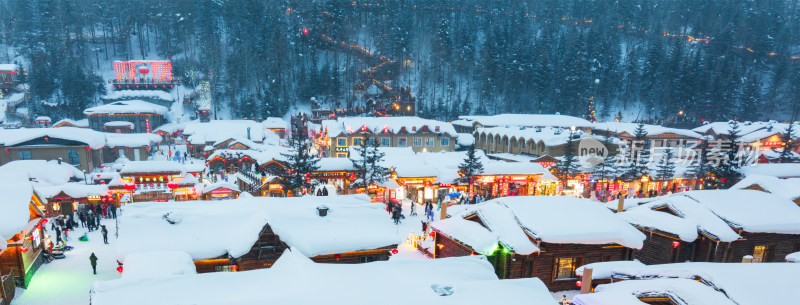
{"points": [[486, 179], [275, 187], [341, 149], [444, 184], [392, 194]]}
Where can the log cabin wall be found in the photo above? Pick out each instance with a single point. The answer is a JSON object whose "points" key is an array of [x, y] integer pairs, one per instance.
{"points": [[778, 246], [449, 247]]}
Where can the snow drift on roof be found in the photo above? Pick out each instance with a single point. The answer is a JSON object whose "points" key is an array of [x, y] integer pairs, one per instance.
{"points": [[604, 270], [201, 133], [780, 170], [787, 188], [131, 139], [652, 130], [121, 107], [689, 292], [157, 264], [218, 185], [14, 213], [83, 123], [692, 219], [143, 167], [44, 171], [74, 190], [9, 67], [394, 125], [751, 211], [12, 137]]}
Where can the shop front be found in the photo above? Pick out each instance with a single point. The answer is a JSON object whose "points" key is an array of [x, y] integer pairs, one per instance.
{"points": [[492, 186], [417, 189]]}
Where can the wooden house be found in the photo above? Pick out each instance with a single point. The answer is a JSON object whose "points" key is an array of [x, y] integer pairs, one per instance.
{"points": [[65, 198], [22, 237], [537, 236], [252, 233], [717, 226], [220, 191], [788, 188], [143, 116]]}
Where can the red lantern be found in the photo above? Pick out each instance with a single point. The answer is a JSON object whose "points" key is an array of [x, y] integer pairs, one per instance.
{"points": [[130, 187], [337, 256], [144, 69], [433, 234], [23, 249], [46, 139], [98, 175], [235, 268], [30, 237], [172, 185], [38, 227], [119, 269], [45, 220], [88, 148], [7, 150], [394, 251], [675, 244], [102, 182], [579, 283]]}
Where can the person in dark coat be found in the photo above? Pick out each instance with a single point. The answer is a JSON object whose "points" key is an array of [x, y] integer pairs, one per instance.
{"points": [[105, 234], [324, 191], [319, 192], [82, 218], [93, 261], [58, 235], [114, 211]]}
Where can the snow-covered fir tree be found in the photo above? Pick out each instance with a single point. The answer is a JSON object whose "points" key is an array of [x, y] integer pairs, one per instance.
{"points": [[638, 155], [470, 168], [788, 145], [367, 162], [300, 162], [666, 166]]}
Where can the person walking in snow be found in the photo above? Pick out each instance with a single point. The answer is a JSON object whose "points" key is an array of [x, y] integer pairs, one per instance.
{"points": [[104, 231], [93, 261], [324, 191], [58, 236], [113, 211], [396, 215], [429, 212], [413, 209]]}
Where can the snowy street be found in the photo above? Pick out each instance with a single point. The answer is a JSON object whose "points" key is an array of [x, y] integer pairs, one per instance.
{"points": [[67, 281]]}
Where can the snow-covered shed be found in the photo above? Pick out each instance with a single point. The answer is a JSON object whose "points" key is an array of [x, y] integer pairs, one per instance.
{"points": [[537, 236], [699, 284], [76, 146], [778, 170], [253, 232], [296, 280], [50, 172], [83, 123], [716, 226]]}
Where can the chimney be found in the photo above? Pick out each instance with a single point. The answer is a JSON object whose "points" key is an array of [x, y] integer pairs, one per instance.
{"points": [[59, 160], [322, 210], [586, 281], [248, 133]]}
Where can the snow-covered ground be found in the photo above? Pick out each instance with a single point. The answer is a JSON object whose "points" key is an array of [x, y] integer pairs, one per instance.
{"points": [[67, 281]]}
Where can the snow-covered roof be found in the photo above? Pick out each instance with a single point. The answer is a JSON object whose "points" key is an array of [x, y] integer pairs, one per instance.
{"points": [[541, 218], [211, 187], [145, 94], [693, 219], [170, 128], [391, 125], [787, 188], [237, 224], [604, 270], [335, 164], [748, 131], [527, 120], [793, 257], [44, 171], [744, 284], [144, 167], [220, 130], [751, 211], [157, 264], [14, 213], [9, 67], [121, 107], [131, 139], [12, 137], [83, 123], [780, 170], [465, 139], [42, 118], [118, 124], [274, 123], [688, 291], [652, 130], [261, 157], [74, 190], [294, 279]]}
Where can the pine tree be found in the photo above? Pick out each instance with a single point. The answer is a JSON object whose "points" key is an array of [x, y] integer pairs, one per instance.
{"points": [[727, 171], [470, 168], [638, 156], [367, 162], [787, 139], [300, 162], [666, 168], [699, 168], [607, 170], [568, 165]]}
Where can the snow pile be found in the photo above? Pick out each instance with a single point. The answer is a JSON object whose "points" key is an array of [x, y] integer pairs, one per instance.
{"points": [[169, 128], [14, 213], [43, 171], [692, 219], [465, 140], [9, 67], [118, 124], [689, 292], [352, 224], [157, 264], [84, 123], [526, 120], [787, 188], [274, 123], [12, 137], [604, 270], [744, 284], [145, 167], [335, 164], [294, 280], [469, 233], [652, 130], [127, 94], [202, 133], [122, 107], [793, 257], [392, 125], [512, 220], [751, 211]]}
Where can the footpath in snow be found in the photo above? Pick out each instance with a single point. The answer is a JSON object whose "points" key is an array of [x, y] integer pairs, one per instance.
{"points": [[67, 281]]}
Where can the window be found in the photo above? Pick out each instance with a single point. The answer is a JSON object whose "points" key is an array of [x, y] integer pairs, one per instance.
{"points": [[341, 142], [367, 259], [402, 142], [36, 239], [565, 268], [357, 141], [444, 142], [370, 141], [762, 254], [341, 155], [73, 157], [386, 142], [417, 141], [429, 142], [24, 155]]}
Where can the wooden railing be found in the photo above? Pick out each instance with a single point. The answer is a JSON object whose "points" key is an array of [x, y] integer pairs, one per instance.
{"points": [[7, 288]]}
